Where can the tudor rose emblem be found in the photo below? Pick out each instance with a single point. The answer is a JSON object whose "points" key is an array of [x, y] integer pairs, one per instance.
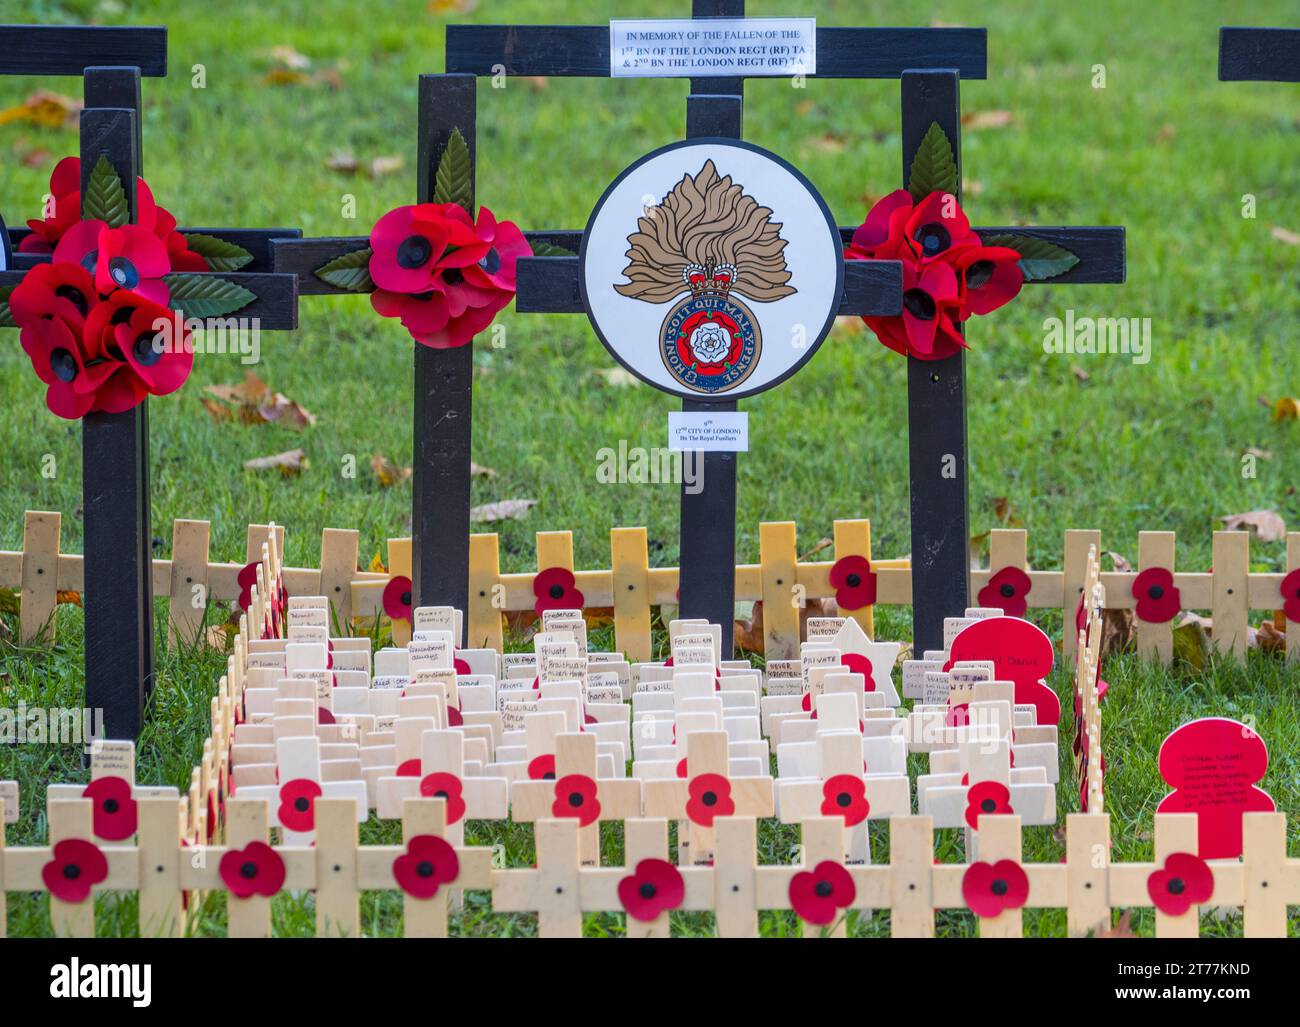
{"points": [[702, 248]]}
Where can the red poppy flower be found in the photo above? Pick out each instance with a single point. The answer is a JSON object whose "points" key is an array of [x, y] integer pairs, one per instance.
{"points": [[506, 244], [151, 339], [406, 244], [130, 257], [409, 768], [542, 768], [428, 863], [992, 888], [990, 276], [442, 785], [681, 767], [575, 796], [985, 798], [554, 589], [59, 362], [454, 717], [845, 795], [461, 666], [66, 291], [817, 895], [114, 809], [1158, 601], [1184, 881], [937, 229], [927, 328], [397, 597], [655, 887], [256, 869], [708, 797], [854, 582], [246, 579], [76, 867], [298, 804], [1290, 589], [1007, 590]]}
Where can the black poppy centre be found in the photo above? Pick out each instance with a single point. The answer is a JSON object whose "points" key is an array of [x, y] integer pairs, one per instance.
{"points": [[424, 868], [414, 251], [853, 580], [988, 806], [1156, 591], [147, 349], [248, 871], [1000, 887], [1008, 590], [979, 273], [124, 273], [556, 591], [920, 304], [576, 799], [74, 296], [648, 890], [933, 237], [491, 263], [824, 889], [63, 364]]}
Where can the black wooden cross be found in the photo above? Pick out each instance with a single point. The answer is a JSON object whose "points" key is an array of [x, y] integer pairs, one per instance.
{"points": [[118, 564], [1259, 55], [936, 389]]}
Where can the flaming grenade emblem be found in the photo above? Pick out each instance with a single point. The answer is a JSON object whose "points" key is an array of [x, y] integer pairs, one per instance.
{"points": [[704, 246]]}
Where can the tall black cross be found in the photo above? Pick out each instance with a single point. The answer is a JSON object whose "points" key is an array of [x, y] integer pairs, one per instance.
{"points": [[1259, 55], [118, 563], [936, 389]]}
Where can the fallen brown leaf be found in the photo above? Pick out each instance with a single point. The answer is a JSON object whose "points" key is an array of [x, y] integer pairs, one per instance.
{"points": [[1286, 409], [1267, 524], [479, 471], [1262, 454], [342, 161], [289, 57], [288, 463], [69, 597], [1192, 640], [1122, 929], [451, 6], [1117, 631], [388, 473], [1166, 133], [1079, 372], [504, 510], [43, 108], [1270, 639], [1119, 562], [1285, 235], [617, 377], [971, 186], [381, 166], [821, 545], [252, 402], [377, 565]]}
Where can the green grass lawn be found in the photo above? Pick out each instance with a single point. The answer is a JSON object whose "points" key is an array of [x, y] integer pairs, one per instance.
{"points": [[1095, 442]]}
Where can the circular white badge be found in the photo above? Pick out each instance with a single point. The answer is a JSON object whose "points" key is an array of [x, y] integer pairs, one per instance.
{"points": [[711, 269]]}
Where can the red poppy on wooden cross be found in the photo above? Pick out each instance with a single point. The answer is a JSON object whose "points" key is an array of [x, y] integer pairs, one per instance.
{"points": [[708, 794]]}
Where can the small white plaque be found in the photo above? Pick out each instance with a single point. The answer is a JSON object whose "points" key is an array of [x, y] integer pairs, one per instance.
{"points": [[707, 431], [714, 47]]}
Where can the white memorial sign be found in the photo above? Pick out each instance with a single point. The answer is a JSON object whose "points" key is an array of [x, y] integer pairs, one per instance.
{"points": [[703, 48]]}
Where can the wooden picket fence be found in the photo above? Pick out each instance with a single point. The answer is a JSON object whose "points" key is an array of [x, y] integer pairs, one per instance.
{"points": [[160, 866], [631, 587]]}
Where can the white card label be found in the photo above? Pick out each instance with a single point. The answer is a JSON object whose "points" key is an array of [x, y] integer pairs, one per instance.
{"points": [[686, 47], [708, 431]]}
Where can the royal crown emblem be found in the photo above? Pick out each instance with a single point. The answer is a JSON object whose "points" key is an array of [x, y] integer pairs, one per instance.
{"points": [[706, 244]]}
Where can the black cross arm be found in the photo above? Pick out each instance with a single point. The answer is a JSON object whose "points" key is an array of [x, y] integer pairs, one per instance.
{"points": [[582, 51], [1101, 251], [257, 241], [275, 306], [70, 50], [1259, 55], [549, 285]]}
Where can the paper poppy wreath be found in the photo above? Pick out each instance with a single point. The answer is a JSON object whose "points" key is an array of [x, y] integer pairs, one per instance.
{"points": [[104, 323], [950, 272], [436, 267]]}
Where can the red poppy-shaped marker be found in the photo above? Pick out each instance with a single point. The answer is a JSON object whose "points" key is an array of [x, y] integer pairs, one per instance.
{"points": [[819, 894], [114, 810], [845, 795], [298, 804], [542, 768], [78, 865], [152, 339], [681, 768], [409, 768], [1007, 590], [397, 598], [575, 797], [454, 717], [858, 664], [1184, 881], [854, 582], [246, 579], [1290, 589], [654, 888], [428, 863], [554, 589], [406, 245], [708, 797], [461, 666], [256, 869], [324, 716], [991, 277], [130, 258], [1157, 599], [992, 888], [60, 362], [64, 291], [987, 797], [443, 785]]}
